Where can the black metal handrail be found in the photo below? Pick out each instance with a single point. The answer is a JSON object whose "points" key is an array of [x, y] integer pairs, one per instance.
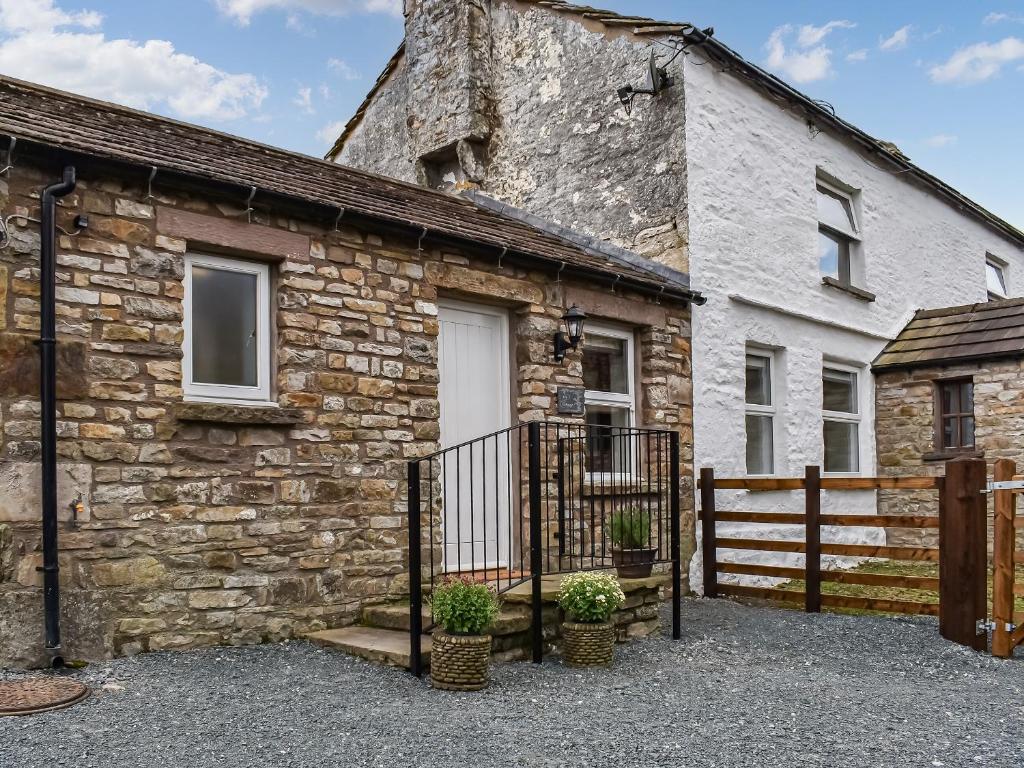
{"points": [[491, 507]]}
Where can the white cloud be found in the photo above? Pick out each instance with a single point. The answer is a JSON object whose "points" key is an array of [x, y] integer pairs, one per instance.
{"points": [[998, 18], [940, 140], [330, 132], [801, 66], [242, 11], [978, 62], [810, 35], [343, 69], [80, 58], [896, 40], [304, 100], [859, 55]]}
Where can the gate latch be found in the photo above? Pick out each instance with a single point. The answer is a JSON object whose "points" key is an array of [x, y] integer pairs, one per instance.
{"points": [[984, 626]]}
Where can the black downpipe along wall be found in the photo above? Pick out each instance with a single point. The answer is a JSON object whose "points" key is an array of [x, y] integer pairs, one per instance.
{"points": [[48, 404]]}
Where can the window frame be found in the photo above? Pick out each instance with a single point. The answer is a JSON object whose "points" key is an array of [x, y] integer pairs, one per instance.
{"points": [[1000, 266], [615, 400], [855, 417], [229, 393], [848, 241], [941, 416], [755, 409]]}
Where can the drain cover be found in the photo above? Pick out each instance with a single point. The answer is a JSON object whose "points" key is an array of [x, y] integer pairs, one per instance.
{"points": [[39, 694]]}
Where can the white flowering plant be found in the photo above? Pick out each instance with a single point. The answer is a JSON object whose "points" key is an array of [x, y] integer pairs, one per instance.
{"points": [[590, 598]]}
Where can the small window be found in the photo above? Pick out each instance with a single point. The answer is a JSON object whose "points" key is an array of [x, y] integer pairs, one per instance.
{"points": [[840, 419], [995, 279], [610, 400], [954, 426], [760, 415], [227, 330], [837, 233]]}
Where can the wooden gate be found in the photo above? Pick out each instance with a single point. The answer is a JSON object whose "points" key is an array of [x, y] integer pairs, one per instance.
{"points": [[961, 555], [1006, 632]]}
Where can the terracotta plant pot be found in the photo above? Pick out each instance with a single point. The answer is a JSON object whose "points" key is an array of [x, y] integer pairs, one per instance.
{"points": [[634, 563], [460, 662], [588, 645]]}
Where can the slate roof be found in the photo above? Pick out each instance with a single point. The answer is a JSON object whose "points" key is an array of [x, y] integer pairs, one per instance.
{"points": [[34, 114], [973, 332], [730, 61]]}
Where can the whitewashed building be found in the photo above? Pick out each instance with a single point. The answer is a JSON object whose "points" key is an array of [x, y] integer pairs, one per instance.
{"points": [[813, 241]]}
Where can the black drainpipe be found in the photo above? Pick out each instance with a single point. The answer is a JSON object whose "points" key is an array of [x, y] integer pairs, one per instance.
{"points": [[48, 406]]}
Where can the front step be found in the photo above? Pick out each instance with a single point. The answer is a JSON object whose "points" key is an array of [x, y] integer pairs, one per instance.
{"points": [[382, 646]]}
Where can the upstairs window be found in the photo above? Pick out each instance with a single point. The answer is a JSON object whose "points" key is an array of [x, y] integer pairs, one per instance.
{"points": [[840, 419], [227, 330], [608, 380], [838, 233], [995, 279], [760, 414], [954, 423]]}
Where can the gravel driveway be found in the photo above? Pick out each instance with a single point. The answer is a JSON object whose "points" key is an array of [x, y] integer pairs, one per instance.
{"points": [[744, 687]]}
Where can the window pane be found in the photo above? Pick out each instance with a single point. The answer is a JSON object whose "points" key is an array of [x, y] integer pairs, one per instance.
{"points": [[760, 453], [834, 210], [224, 343], [608, 444], [839, 391], [841, 454], [828, 254], [994, 278], [948, 399], [967, 432], [759, 380], [967, 397], [605, 364], [949, 436]]}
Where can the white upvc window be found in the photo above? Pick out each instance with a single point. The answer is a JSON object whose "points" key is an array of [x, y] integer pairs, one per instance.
{"points": [[840, 411], [226, 350], [609, 380], [995, 278], [838, 233], [760, 413]]}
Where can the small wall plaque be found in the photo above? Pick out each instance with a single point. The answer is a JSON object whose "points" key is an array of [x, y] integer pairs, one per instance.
{"points": [[571, 400]]}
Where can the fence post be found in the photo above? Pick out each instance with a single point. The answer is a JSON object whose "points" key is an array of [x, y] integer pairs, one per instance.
{"points": [[812, 539], [1004, 544], [536, 554], [677, 566], [963, 565], [415, 574], [709, 544]]}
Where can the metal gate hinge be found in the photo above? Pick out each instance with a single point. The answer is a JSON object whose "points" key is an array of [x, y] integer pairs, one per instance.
{"points": [[1004, 485], [984, 626]]}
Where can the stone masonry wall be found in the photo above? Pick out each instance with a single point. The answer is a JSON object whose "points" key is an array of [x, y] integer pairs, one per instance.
{"points": [[202, 526]]}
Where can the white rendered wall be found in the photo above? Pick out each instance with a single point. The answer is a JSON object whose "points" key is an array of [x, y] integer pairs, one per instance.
{"points": [[753, 252]]}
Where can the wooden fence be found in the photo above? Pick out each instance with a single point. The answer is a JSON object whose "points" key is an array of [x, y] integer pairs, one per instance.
{"points": [[961, 554], [1007, 632]]}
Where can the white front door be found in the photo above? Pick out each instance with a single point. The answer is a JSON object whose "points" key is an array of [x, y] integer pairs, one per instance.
{"points": [[474, 394]]}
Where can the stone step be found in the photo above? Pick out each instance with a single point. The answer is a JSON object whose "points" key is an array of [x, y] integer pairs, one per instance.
{"points": [[382, 646], [395, 616]]}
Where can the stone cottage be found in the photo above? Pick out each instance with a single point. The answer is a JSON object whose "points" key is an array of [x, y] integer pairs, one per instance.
{"points": [[951, 384], [814, 241], [247, 357]]}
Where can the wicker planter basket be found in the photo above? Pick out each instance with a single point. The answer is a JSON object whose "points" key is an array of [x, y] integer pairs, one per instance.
{"points": [[460, 662], [588, 645]]}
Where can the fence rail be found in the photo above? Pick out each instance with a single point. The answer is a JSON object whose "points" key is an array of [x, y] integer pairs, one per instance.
{"points": [[961, 554]]}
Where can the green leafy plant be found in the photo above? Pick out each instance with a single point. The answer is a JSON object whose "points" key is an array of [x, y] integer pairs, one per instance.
{"points": [[590, 598], [630, 528], [464, 607]]}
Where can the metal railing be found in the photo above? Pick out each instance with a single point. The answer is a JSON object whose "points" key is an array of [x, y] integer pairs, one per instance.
{"points": [[541, 498]]}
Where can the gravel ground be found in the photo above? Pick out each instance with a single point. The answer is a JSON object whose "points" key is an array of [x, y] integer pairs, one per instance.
{"points": [[744, 687]]}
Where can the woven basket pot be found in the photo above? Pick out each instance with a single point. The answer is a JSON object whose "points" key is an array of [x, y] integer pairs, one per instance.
{"points": [[587, 645], [460, 662]]}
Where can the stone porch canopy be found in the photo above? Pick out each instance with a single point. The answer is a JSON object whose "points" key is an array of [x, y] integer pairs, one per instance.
{"points": [[992, 330], [159, 149]]}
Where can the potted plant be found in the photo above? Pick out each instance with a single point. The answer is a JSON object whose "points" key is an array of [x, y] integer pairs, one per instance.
{"points": [[632, 552], [461, 653], [589, 600]]}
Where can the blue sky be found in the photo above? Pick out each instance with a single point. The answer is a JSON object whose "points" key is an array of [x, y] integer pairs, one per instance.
{"points": [[944, 79]]}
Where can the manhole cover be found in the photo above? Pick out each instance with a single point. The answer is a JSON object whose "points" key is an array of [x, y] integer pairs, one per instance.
{"points": [[39, 694]]}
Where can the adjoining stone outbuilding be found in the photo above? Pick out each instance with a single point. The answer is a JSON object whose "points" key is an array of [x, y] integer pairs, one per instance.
{"points": [[248, 355], [950, 385]]}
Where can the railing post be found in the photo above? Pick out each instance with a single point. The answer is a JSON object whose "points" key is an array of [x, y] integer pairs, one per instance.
{"points": [[1004, 544], [963, 563], [536, 554], [677, 566], [812, 539], [560, 442], [415, 574], [709, 545]]}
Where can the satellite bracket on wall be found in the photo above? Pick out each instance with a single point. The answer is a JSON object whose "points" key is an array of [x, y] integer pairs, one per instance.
{"points": [[658, 81]]}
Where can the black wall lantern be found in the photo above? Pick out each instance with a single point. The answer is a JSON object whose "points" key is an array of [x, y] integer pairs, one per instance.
{"points": [[570, 337]]}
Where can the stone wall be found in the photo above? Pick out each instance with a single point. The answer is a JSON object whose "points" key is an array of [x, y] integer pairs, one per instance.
{"points": [[212, 525]]}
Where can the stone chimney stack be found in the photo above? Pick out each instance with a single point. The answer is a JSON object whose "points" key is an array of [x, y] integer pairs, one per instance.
{"points": [[448, 54]]}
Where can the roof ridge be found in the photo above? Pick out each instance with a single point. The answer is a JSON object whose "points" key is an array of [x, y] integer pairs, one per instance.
{"points": [[963, 309]]}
